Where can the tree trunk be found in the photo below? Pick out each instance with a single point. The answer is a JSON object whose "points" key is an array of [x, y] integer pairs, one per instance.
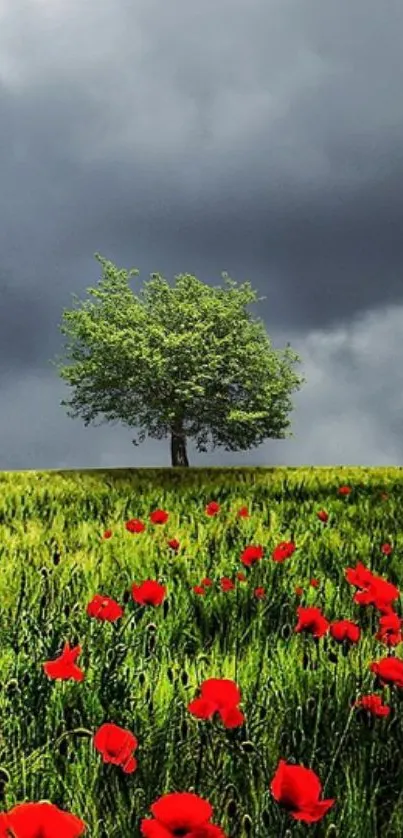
{"points": [[178, 446]]}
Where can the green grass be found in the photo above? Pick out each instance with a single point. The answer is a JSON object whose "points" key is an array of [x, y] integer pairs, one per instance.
{"points": [[142, 672]]}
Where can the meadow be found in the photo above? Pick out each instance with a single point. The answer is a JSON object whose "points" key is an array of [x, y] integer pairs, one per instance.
{"points": [[206, 653]]}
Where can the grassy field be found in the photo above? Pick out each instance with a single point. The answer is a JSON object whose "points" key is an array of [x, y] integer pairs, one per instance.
{"points": [[216, 610]]}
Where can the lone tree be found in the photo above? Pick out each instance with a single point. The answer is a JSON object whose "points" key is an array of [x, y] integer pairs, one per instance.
{"points": [[185, 361]]}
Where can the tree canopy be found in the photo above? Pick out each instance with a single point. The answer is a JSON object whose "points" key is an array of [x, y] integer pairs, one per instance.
{"points": [[185, 361]]}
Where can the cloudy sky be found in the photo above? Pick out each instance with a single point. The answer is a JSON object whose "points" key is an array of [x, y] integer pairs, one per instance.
{"points": [[256, 137]]}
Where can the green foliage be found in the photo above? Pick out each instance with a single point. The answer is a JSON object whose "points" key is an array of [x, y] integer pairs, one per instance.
{"points": [[295, 696], [188, 358]]}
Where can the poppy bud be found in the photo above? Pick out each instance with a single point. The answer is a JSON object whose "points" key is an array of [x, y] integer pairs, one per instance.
{"points": [[63, 747], [231, 808], [267, 820], [247, 824]]}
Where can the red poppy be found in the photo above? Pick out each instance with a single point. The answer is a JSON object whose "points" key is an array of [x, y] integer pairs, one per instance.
{"points": [[345, 630], [388, 670], [107, 534], [311, 620], [40, 820], [251, 555], [159, 516], [373, 703], [174, 544], [241, 576], [359, 576], [344, 490], [104, 608], [212, 508], [134, 525], [222, 696], [386, 549], [298, 590], [375, 590], [379, 593], [298, 790], [199, 589], [64, 667], [181, 813], [149, 593], [226, 584], [206, 582], [243, 512], [323, 516], [259, 593], [116, 745], [283, 551], [314, 583], [389, 630]]}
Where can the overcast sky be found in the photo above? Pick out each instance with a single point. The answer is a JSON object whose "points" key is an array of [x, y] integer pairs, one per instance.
{"points": [[250, 136]]}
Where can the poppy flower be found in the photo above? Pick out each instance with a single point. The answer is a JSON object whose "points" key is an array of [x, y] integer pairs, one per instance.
{"points": [[374, 589], [260, 593], [243, 512], [212, 508], [323, 516], [65, 667], [379, 593], [134, 525], [359, 576], [174, 544], [389, 671], [149, 593], [159, 516], [251, 555], [104, 608], [344, 490], [311, 620], [389, 630], [206, 582], [107, 534], [226, 584], [199, 589], [116, 745], [40, 820], [373, 704], [218, 695], [345, 630], [283, 551], [384, 589], [180, 813], [386, 549], [298, 790], [241, 576]]}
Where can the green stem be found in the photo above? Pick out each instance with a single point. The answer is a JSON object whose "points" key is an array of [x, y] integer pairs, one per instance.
{"points": [[342, 738], [80, 730]]}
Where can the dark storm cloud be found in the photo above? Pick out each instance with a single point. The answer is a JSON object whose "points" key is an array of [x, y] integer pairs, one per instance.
{"points": [[261, 138]]}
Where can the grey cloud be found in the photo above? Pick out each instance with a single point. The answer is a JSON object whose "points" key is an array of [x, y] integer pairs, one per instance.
{"points": [[261, 138]]}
